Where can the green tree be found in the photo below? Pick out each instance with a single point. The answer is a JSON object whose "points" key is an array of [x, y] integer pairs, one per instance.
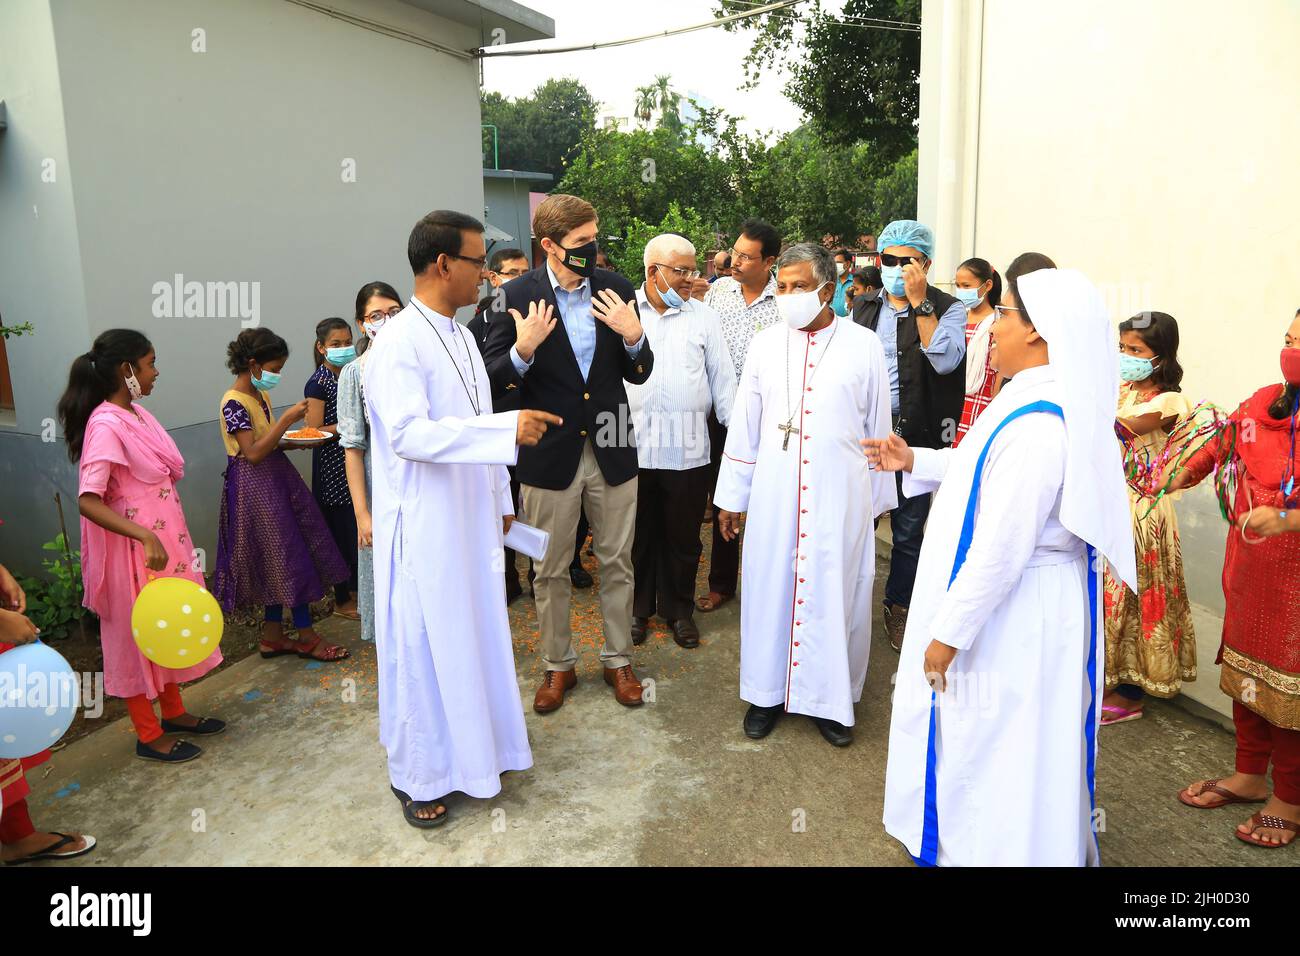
{"points": [[628, 255], [638, 173], [856, 77], [540, 132]]}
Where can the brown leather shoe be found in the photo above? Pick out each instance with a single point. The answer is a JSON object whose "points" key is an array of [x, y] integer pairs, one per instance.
{"points": [[551, 694], [627, 689]]}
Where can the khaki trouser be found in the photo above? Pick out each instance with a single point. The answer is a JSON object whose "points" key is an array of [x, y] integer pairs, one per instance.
{"points": [[611, 509]]}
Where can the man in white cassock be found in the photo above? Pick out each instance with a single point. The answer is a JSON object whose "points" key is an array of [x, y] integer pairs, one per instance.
{"points": [[993, 740], [450, 715], [812, 388]]}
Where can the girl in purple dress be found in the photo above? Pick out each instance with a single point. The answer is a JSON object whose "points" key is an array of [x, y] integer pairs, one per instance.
{"points": [[273, 545]]}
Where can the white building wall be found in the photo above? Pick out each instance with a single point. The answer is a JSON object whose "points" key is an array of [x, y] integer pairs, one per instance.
{"points": [[1152, 145]]}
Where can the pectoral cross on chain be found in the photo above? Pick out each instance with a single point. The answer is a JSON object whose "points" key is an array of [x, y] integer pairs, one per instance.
{"points": [[788, 429]]}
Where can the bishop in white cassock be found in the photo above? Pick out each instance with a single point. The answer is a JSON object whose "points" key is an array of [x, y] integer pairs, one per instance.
{"points": [[450, 714], [812, 388], [992, 744]]}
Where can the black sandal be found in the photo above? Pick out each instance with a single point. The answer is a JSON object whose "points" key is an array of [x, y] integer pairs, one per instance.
{"points": [[206, 727], [181, 751], [51, 852], [409, 807]]}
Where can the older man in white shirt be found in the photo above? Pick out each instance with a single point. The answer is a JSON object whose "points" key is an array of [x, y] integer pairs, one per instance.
{"points": [[670, 415]]}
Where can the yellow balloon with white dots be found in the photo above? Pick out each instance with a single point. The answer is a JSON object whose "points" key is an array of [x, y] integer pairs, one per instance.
{"points": [[176, 623]]}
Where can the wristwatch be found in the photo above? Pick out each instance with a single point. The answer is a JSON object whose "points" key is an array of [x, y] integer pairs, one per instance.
{"points": [[925, 308]]}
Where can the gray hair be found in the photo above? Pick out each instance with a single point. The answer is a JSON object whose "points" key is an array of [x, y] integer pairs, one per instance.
{"points": [[823, 263], [667, 244]]}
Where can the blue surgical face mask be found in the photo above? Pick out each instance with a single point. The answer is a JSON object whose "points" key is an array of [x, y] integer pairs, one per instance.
{"points": [[893, 276], [968, 297], [267, 381], [670, 296], [341, 355], [1134, 369]]}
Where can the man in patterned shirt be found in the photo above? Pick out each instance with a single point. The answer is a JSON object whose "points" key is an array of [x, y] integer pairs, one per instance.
{"points": [[746, 303]]}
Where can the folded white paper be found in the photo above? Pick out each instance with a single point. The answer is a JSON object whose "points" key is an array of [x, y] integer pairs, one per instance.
{"points": [[527, 540]]}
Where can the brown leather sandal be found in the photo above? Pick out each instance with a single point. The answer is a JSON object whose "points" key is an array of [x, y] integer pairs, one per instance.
{"points": [[1212, 786], [318, 650], [712, 601], [1262, 821]]}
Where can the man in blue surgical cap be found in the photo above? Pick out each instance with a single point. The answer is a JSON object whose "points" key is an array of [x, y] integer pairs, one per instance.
{"points": [[924, 334]]}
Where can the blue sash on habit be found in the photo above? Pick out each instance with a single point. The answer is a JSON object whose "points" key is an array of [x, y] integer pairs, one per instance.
{"points": [[930, 830]]}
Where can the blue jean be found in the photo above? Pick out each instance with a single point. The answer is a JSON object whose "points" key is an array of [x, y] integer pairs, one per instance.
{"points": [[907, 523]]}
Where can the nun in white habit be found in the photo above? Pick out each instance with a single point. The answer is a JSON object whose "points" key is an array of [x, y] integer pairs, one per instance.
{"points": [[992, 747]]}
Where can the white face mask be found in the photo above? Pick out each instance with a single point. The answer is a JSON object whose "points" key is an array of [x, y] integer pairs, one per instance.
{"points": [[133, 386], [800, 309], [372, 328]]}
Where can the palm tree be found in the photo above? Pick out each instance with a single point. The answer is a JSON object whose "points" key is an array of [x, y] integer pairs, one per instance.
{"points": [[668, 100], [645, 103]]}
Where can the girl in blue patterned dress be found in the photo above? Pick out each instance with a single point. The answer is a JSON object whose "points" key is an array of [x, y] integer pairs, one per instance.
{"points": [[329, 482]]}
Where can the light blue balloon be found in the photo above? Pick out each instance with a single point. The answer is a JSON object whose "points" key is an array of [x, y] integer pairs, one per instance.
{"points": [[39, 695]]}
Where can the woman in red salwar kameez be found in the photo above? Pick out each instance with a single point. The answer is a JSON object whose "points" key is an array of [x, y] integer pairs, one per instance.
{"points": [[19, 840], [1260, 653]]}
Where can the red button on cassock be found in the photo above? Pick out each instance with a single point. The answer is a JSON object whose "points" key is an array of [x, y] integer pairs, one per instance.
{"points": [[796, 643], [803, 487]]}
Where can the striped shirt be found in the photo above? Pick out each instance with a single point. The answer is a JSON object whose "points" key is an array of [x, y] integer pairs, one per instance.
{"points": [[693, 373]]}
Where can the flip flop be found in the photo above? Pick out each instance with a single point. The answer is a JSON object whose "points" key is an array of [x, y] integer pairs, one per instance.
{"points": [[1212, 786], [409, 807], [51, 851], [1266, 820], [1122, 714]]}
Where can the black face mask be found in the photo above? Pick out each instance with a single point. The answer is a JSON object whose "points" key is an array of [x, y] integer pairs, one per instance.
{"points": [[581, 259]]}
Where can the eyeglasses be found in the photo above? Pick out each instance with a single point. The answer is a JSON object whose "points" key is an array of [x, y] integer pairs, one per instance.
{"points": [[511, 273], [888, 260], [379, 315], [999, 309], [742, 258], [480, 262], [680, 273]]}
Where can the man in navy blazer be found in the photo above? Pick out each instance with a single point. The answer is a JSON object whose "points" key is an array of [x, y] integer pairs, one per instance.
{"points": [[575, 371]]}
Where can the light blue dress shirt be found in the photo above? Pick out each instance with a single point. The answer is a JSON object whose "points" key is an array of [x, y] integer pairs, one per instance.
{"points": [[579, 324], [947, 345]]}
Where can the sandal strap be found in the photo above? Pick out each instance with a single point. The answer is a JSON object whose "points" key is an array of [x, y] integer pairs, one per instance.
{"points": [[1273, 823]]}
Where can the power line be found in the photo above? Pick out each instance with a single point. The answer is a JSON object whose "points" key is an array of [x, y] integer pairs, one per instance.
{"points": [[767, 8], [383, 29], [848, 18]]}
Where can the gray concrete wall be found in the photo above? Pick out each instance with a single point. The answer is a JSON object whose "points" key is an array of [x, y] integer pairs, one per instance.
{"points": [[225, 166], [40, 263], [506, 207]]}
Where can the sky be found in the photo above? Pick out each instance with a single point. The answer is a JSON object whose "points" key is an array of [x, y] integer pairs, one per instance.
{"points": [[706, 62]]}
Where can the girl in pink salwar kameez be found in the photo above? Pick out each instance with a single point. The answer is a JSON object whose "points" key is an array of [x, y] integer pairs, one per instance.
{"points": [[132, 530]]}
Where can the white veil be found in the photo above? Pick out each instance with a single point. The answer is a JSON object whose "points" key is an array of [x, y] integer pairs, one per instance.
{"points": [[1083, 345]]}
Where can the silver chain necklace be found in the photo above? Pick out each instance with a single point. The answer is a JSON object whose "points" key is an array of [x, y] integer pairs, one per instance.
{"points": [[788, 425]]}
